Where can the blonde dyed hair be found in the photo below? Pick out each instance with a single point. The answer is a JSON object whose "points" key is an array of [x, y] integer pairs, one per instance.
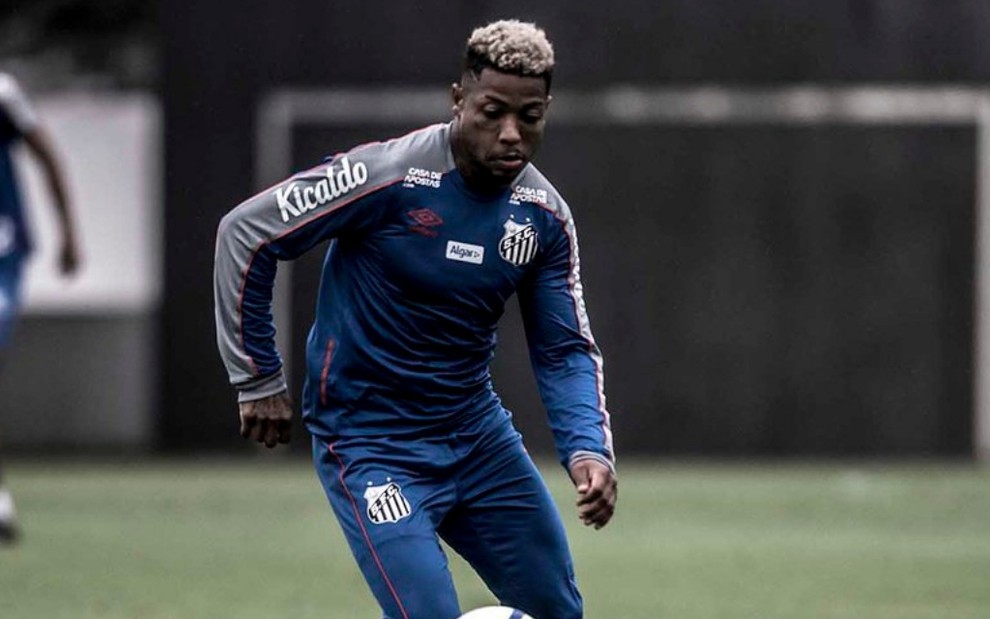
{"points": [[510, 46]]}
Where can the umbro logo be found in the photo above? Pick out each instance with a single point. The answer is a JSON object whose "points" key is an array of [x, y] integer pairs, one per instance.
{"points": [[425, 222]]}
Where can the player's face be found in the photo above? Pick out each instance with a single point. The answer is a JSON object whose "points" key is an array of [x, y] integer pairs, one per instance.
{"points": [[498, 125]]}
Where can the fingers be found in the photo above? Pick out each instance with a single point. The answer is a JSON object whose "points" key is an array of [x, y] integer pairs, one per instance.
{"points": [[69, 260], [248, 422], [597, 512], [267, 421], [596, 497], [268, 431], [69, 264], [277, 431], [257, 433], [270, 434]]}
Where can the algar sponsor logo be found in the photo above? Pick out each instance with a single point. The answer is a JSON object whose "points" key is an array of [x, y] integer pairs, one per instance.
{"points": [[297, 198], [465, 252]]}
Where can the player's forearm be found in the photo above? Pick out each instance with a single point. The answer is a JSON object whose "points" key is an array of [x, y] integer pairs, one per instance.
{"points": [[280, 223], [41, 146], [63, 206], [57, 186], [583, 433], [581, 425], [244, 277], [570, 377]]}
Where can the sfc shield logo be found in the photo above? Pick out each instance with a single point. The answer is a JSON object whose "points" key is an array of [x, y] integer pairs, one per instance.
{"points": [[386, 503], [519, 243]]}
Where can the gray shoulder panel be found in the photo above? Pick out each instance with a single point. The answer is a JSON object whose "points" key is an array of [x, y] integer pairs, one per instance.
{"points": [[359, 171], [532, 186], [291, 205]]}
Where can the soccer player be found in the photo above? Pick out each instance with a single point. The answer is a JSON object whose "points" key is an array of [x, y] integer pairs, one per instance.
{"points": [[432, 233], [19, 123]]}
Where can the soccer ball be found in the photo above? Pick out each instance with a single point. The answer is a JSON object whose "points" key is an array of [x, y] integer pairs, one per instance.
{"points": [[495, 612]]}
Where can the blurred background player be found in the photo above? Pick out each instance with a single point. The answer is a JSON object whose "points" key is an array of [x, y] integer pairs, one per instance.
{"points": [[19, 124], [433, 233]]}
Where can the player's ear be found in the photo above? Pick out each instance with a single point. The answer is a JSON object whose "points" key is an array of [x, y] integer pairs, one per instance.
{"points": [[457, 97]]}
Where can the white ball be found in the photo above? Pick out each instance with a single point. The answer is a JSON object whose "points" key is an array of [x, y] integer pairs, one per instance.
{"points": [[495, 612]]}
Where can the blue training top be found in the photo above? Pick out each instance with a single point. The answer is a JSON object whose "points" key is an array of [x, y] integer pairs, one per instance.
{"points": [[414, 282], [16, 120]]}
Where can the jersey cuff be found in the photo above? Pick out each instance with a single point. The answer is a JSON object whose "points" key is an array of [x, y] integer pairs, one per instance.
{"points": [[262, 387], [578, 456]]}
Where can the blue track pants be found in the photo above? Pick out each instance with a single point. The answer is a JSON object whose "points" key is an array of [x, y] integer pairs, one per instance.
{"points": [[475, 488]]}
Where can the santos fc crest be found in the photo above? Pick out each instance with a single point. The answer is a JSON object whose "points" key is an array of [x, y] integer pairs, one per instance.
{"points": [[519, 243], [386, 503]]}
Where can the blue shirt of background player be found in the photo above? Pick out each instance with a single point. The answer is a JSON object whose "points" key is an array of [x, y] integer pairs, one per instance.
{"points": [[14, 238]]}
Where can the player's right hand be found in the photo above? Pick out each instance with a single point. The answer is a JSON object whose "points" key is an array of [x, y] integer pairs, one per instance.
{"points": [[68, 259], [268, 420]]}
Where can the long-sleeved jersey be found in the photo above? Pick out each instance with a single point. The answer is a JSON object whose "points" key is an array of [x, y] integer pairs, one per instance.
{"points": [[17, 118], [416, 277]]}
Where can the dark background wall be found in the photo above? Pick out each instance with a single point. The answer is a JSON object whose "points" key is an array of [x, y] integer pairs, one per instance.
{"points": [[756, 290]]}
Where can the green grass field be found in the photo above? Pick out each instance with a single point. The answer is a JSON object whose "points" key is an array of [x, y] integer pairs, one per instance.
{"points": [[254, 539]]}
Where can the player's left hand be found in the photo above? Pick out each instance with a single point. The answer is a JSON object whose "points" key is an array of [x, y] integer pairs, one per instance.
{"points": [[597, 489]]}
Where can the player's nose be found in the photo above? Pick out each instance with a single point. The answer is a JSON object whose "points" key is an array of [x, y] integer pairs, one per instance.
{"points": [[509, 131]]}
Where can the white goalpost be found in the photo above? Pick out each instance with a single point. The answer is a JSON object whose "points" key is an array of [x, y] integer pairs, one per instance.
{"points": [[803, 105]]}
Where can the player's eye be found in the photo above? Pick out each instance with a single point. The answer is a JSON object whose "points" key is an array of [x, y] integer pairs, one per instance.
{"points": [[533, 114], [491, 112]]}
